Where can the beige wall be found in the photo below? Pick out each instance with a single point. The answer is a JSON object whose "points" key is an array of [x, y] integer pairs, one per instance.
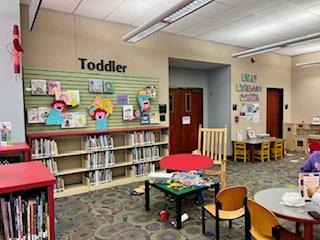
{"points": [[305, 89], [59, 39]]}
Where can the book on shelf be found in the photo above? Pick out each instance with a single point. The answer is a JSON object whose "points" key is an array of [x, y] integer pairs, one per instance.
{"points": [[141, 138], [98, 177], [99, 142], [142, 154], [51, 164], [99, 159], [25, 216], [142, 169], [59, 186], [44, 147]]}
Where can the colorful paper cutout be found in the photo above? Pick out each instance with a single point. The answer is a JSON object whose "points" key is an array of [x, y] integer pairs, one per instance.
{"points": [[144, 102], [55, 116]]}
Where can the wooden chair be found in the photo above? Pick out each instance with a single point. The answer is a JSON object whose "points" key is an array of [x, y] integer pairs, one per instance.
{"points": [[212, 142], [229, 205], [240, 151], [264, 152], [277, 149], [262, 224]]}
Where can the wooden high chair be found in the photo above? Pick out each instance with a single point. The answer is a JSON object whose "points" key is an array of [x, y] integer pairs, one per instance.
{"points": [[212, 142]]}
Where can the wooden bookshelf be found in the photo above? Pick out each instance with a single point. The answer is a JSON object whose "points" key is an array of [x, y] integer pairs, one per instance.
{"points": [[85, 161], [296, 135]]}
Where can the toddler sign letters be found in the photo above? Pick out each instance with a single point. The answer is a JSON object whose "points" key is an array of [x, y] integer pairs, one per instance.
{"points": [[109, 66]]}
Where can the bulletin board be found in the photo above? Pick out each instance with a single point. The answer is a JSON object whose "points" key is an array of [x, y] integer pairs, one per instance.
{"points": [[78, 80]]}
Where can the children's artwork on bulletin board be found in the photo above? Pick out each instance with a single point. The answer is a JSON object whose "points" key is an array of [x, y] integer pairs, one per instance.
{"points": [[128, 112], [108, 86], [63, 96], [122, 99], [95, 85], [5, 134], [145, 118], [144, 103], [55, 116], [74, 97], [38, 87], [101, 117], [151, 91], [53, 86], [253, 107], [100, 110]]}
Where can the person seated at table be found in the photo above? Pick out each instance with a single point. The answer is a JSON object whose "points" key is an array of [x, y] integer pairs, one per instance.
{"points": [[314, 194], [312, 163]]}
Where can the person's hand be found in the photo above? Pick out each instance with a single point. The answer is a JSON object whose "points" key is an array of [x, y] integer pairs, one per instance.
{"points": [[312, 190]]}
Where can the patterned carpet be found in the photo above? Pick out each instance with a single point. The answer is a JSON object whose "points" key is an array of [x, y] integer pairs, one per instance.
{"points": [[116, 215]]}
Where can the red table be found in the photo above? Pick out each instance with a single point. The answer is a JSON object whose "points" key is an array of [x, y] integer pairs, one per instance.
{"points": [[26, 176], [186, 162], [15, 148]]}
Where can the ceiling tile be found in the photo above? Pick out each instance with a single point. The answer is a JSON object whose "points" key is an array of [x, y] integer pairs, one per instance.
{"points": [[303, 3], [281, 29], [62, 6], [301, 49], [314, 10], [130, 11], [97, 9], [304, 20], [258, 5], [279, 10], [231, 2]]}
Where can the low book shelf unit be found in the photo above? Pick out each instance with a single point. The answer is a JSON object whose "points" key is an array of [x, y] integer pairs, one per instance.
{"points": [[26, 201], [89, 160]]}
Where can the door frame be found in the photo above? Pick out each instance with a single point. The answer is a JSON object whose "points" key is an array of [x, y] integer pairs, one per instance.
{"points": [[281, 123]]}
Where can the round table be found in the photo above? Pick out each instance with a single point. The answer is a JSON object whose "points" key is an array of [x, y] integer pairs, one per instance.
{"points": [[271, 198], [186, 162]]}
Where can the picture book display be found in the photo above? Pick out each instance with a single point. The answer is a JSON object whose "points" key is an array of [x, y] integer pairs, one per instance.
{"points": [[95, 85], [308, 180], [251, 133], [128, 112], [74, 120], [74, 97], [37, 114], [64, 96], [38, 87], [5, 134], [108, 86], [53, 86]]}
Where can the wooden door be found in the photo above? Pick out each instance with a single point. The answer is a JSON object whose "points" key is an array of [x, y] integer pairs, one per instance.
{"points": [[275, 112], [186, 113]]}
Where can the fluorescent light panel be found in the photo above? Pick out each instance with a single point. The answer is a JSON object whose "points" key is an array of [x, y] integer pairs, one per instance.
{"points": [[308, 64], [175, 13], [276, 46]]}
